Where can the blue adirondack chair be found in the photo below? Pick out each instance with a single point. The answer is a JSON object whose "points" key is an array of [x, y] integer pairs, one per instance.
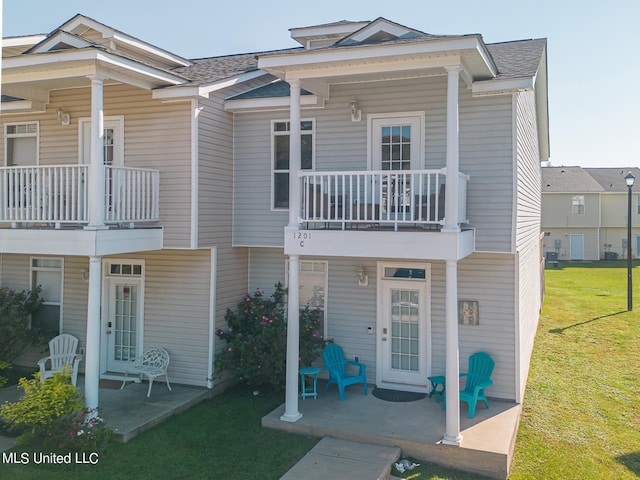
{"points": [[335, 363], [476, 380]]}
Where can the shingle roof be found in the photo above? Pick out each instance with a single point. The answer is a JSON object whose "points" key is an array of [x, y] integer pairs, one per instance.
{"points": [[586, 180], [207, 70], [275, 89], [568, 179], [612, 179], [519, 58]]}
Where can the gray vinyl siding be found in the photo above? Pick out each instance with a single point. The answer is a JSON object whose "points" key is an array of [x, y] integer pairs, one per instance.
{"points": [[486, 153], [490, 279], [176, 305], [351, 309], [528, 229], [156, 135]]}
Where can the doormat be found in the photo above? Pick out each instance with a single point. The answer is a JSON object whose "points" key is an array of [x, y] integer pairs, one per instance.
{"points": [[397, 395], [111, 384]]}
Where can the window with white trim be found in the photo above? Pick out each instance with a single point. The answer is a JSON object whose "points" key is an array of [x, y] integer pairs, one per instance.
{"points": [[312, 278], [280, 158], [577, 205], [47, 274], [21, 144]]}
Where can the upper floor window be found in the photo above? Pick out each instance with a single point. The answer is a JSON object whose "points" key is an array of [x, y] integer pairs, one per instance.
{"points": [[638, 207], [577, 204], [280, 158], [21, 144]]}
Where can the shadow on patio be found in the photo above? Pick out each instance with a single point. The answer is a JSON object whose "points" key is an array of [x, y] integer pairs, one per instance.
{"points": [[416, 427], [128, 411]]}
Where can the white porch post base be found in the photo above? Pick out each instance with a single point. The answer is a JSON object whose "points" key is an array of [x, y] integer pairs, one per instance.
{"points": [[291, 413], [452, 428], [92, 357]]}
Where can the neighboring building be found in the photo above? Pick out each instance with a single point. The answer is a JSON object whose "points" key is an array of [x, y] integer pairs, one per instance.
{"points": [[388, 176], [585, 211]]}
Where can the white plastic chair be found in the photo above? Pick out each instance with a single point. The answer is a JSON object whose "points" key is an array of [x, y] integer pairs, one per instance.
{"points": [[153, 363], [62, 352]]}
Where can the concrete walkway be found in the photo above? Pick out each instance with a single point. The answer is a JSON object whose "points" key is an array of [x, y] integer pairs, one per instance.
{"points": [[337, 458]]}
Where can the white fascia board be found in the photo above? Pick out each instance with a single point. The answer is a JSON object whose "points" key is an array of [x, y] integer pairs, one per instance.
{"points": [[113, 34], [150, 49], [204, 90], [135, 67], [327, 31], [22, 106], [288, 61], [273, 103], [501, 87], [23, 41], [56, 59], [64, 37], [388, 66]]}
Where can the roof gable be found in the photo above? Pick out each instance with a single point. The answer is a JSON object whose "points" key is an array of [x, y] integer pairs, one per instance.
{"points": [[60, 40], [379, 31]]}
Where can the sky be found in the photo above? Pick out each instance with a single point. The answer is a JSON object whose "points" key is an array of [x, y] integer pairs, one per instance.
{"points": [[594, 108]]}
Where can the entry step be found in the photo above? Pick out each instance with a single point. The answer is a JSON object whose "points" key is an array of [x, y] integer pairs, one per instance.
{"points": [[336, 458]]}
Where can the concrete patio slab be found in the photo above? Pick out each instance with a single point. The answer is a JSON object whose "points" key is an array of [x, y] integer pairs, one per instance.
{"points": [[415, 427], [128, 411]]}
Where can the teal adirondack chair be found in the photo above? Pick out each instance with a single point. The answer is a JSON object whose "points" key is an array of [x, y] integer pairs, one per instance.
{"points": [[477, 379], [335, 363]]}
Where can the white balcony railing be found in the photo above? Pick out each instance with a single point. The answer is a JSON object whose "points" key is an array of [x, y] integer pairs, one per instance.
{"points": [[59, 194], [413, 197]]}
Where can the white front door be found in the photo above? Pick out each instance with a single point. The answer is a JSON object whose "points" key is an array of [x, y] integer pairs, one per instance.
{"points": [[123, 315], [403, 330], [576, 247]]}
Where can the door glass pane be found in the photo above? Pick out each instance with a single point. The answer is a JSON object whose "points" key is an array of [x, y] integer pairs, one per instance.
{"points": [[405, 338], [125, 322]]}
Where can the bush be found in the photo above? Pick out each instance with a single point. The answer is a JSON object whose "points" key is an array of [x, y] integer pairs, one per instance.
{"points": [[51, 415], [3, 366], [15, 312], [257, 339]]}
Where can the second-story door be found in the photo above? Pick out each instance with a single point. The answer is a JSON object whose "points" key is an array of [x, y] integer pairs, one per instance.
{"points": [[112, 150], [396, 146]]}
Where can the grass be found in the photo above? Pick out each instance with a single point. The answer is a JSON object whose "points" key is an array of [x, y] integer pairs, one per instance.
{"points": [[581, 412], [217, 439], [581, 416]]}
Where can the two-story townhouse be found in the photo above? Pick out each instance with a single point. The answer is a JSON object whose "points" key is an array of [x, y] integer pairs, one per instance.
{"points": [[115, 194], [392, 178], [585, 213]]}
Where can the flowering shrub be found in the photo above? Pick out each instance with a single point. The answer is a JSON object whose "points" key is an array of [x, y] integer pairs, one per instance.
{"points": [[51, 415], [15, 331], [256, 339], [81, 431]]}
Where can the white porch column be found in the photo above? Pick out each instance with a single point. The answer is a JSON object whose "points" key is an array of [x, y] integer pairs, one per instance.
{"points": [[92, 357], [452, 428], [294, 153], [96, 189], [291, 413], [451, 192]]}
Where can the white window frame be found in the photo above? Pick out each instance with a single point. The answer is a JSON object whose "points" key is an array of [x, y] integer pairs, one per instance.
{"points": [[407, 117], [287, 132], [8, 135], [60, 269], [318, 274], [577, 205]]}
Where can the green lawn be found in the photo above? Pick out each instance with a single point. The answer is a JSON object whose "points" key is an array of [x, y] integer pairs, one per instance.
{"points": [[581, 416], [217, 439]]}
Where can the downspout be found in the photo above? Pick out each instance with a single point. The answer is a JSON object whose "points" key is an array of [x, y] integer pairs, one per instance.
{"points": [[212, 315], [195, 111]]}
